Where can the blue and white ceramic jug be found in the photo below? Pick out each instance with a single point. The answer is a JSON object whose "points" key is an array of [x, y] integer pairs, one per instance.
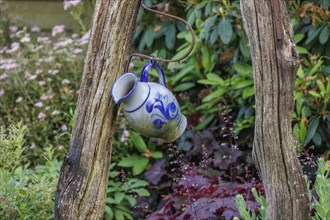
{"points": [[150, 108]]}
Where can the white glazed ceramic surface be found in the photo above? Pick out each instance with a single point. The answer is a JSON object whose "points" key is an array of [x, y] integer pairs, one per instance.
{"points": [[150, 108]]}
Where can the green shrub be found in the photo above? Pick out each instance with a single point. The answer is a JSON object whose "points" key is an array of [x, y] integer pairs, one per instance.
{"points": [[25, 193]]}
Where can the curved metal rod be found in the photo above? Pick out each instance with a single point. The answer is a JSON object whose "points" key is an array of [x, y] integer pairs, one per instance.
{"points": [[157, 59]]}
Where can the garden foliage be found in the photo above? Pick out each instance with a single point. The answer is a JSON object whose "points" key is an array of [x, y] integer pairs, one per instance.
{"points": [[210, 164]]}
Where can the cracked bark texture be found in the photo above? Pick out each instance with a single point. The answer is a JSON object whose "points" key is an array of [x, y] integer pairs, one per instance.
{"points": [[275, 63], [82, 186]]}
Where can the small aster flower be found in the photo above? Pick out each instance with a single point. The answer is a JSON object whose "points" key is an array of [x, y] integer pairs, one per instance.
{"points": [[42, 83], [65, 81], [41, 116], [35, 29], [64, 128], [2, 92], [58, 29], [39, 104], [19, 99], [70, 3], [55, 112]]}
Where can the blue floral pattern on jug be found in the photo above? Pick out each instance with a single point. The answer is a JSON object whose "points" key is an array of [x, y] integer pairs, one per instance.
{"points": [[166, 111]]}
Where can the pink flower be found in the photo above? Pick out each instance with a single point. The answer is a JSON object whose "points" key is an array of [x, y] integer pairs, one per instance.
{"points": [[41, 116], [56, 112], [77, 50], [64, 128], [70, 3], [39, 105], [13, 48], [2, 92], [25, 39], [58, 29], [35, 29]]}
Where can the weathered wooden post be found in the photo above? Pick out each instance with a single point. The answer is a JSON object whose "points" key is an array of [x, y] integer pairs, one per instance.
{"points": [[82, 186], [275, 63]]}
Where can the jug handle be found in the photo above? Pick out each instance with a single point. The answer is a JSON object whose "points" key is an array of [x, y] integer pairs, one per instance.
{"points": [[145, 72]]}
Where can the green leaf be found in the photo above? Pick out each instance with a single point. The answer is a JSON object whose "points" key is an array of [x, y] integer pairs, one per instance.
{"points": [[312, 34], [298, 37], [300, 72], [317, 139], [140, 165], [302, 50], [109, 212], [131, 200], [302, 131], [242, 84], [183, 87], [119, 196], [170, 37], [138, 142], [324, 36], [242, 69], [247, 92], [207, 82], [316, 67], [321, 86], [110, 200], [214, 36], [204, 123], [215, 78], [149, 36], [136, 183], [325, 4], [183, 72], [206, 58], [127, 161], [312, 126], [157, 154], [314, 94], [225, 31], [142, 192], [215, 94]]}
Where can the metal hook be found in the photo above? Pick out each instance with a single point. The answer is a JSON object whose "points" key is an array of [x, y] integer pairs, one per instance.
{"points": [[157, 59]]}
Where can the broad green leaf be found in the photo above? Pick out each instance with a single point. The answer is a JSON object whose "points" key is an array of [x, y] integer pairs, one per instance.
{"points": [[302, 131], [149, 36], [324, 36], [312, 126], [127, 161], [140, 166], [312, 34], [321, 86], [183, 87], [214, 77], [157, 154], [131, 200], [214, 95], [300, 72], [170, 37], [225, 31], [242, 69], [302, 50], [244, 47], [206, 58], [109, 211], [316, 67], [142, 192], [214, 36], [110, 200], [325, 4], [298, 37], [314, 94], [317, 139], [207, 82], [138, 142], [119, 196], [136, 183], [242, 84], [183, 72], [248, 92]]}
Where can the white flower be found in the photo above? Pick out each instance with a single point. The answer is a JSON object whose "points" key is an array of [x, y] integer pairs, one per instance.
{"points": [[41, 116], [2, 92], [39, 105], [42, 83], [70, 3], [58, 29], [56, 112], [64, 128], [13, 47], [19, 99], [35, 29], [65, 81]]}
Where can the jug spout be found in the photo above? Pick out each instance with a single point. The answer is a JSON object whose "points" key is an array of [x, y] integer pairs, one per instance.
{"points": [[124, 87]]}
